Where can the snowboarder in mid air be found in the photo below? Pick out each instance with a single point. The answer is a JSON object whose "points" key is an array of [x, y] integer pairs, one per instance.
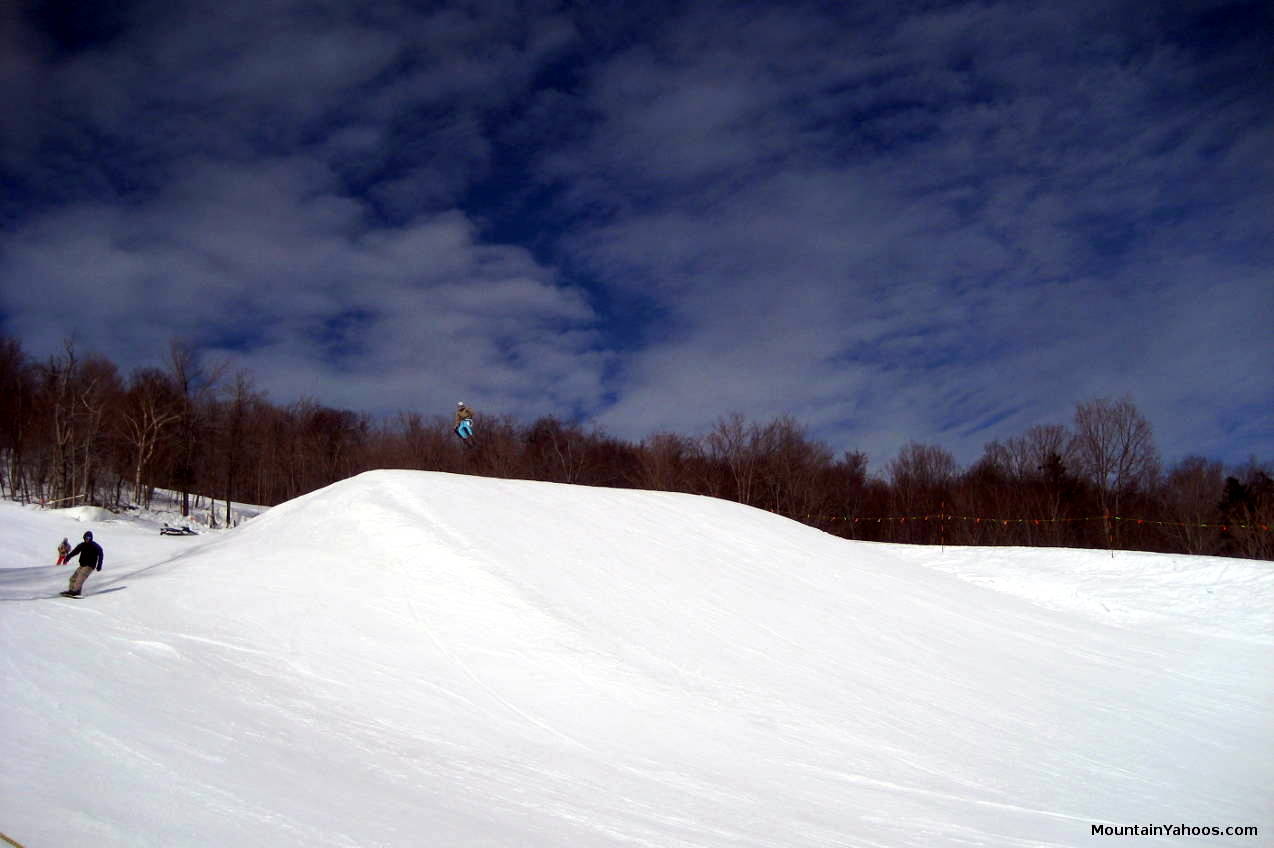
{"points": [[91, 558], [464, 422]]}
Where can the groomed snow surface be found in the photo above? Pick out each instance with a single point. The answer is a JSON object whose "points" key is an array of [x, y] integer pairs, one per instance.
{"points": [[422, 659]]}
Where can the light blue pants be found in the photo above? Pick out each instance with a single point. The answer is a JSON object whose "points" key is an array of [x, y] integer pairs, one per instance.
{"points": [[464, 429]]}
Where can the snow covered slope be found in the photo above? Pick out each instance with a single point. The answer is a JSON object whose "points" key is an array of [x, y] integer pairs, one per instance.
{"points": [[418, 659]]}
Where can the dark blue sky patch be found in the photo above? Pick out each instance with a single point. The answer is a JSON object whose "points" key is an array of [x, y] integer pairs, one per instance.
{"points": [[343, 338], [238, 339], [69, 28], [1210, 30]]}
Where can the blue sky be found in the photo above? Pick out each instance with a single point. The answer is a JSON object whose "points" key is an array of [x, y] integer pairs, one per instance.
{"points": [[895, 221]]}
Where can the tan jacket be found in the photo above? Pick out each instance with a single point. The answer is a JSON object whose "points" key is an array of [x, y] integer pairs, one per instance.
{"points": [[462, 413]]}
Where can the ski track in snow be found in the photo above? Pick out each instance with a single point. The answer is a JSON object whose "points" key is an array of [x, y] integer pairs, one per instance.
{"points": [[409, 658]]}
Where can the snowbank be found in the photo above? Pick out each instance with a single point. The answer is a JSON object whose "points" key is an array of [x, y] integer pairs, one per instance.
{"points": [[428, 659], [86, 513]]}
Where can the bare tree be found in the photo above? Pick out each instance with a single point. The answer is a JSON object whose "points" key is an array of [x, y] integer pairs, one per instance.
{"points": [[922, 476], [59, 378], [733, 443], [1114, 445], [1193, 491], [1030, 454], [17, 392], [1247, 507], [238, 405], [501, 452], [555, 451], [993, 486], [841, 489], [193, 382], [788, 464], [663, 459], [922, 467], [150, 409], [1040, 466], [99, 390]]}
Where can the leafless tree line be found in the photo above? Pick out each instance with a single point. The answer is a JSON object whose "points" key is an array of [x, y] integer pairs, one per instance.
{"points": [[74, 431]]}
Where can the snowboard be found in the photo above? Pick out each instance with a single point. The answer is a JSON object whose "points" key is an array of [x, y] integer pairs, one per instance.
{"points": [[105, 590]]}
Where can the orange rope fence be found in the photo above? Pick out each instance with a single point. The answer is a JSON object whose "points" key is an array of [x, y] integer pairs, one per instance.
{"points": [[1035, 521]]}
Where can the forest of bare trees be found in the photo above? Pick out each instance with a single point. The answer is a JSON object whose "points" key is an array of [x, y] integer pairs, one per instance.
{"points": [[73, 430]]}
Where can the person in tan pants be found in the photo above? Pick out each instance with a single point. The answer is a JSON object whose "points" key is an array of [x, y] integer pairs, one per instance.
{"points": [[91, 558]]}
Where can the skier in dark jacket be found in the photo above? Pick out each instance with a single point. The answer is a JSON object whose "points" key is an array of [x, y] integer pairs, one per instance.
{"points": [[91, 559]]}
